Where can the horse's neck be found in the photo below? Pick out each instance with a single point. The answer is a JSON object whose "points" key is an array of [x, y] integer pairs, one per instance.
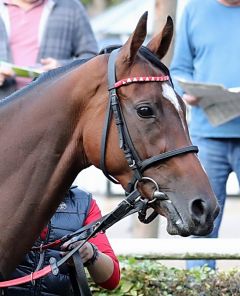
{"points": [[34, 136], [40, 124], [38, 161]]}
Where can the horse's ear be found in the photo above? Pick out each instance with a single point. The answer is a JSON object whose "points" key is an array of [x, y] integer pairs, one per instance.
{"points": [[130, 48], [161, 42]]}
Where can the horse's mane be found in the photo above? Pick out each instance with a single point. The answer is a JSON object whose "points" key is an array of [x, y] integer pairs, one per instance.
{"points": [[56, 72], [46, 76]]}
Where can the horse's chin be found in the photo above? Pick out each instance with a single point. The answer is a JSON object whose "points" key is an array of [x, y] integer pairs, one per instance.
{"points": [[176, 230], [176, 226], [185, 230]]}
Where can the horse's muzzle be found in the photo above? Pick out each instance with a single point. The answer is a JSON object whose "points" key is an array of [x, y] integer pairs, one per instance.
{"points": [[198, 219]]}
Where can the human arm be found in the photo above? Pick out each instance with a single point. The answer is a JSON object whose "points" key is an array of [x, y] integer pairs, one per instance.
{"points": [[105, 269], [74, 37], [183, 57], [84, 42], [100, 266], [190, 100], [106, 253]]}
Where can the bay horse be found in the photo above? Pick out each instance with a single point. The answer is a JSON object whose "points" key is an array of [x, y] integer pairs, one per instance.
{"points": [[52, 129]]}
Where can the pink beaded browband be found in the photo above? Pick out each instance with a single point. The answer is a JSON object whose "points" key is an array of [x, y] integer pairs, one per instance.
{"points": [[127, 81]]}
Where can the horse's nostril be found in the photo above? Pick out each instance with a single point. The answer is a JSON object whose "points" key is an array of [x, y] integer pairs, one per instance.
{"points": [[198, 208]]}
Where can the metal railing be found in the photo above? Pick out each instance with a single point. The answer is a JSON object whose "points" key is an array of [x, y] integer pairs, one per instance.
{"points": [[177, 249]]}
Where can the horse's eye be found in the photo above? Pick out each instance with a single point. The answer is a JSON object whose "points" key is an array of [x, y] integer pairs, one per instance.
{"points": [[145, 111]]}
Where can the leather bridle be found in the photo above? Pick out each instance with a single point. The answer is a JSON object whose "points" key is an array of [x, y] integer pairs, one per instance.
{"points": [[137, 165]]}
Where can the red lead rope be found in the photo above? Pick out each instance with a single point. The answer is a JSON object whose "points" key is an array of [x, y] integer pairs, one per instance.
{"points": [[48, 246], [28, 278]]}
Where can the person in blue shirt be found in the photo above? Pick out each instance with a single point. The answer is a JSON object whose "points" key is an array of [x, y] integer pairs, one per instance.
{"points": [[207, 50]]}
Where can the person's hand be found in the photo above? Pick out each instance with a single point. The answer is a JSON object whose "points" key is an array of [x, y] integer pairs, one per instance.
{"points": [[86, 251], [190, 100], [49, 64], [5, 73]]}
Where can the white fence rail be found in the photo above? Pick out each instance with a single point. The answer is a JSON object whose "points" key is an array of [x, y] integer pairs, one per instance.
{"points": [[178, 249]]}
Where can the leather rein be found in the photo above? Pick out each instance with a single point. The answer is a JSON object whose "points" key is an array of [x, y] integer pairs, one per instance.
{"points": [[133, 202]]}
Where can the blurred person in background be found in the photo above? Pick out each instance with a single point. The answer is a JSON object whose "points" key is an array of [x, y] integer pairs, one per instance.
{"points": [[76, 210], [207, 50], [43, 34]]}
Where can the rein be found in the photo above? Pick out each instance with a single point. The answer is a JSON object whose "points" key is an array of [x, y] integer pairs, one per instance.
{"points": [[133, 203]]}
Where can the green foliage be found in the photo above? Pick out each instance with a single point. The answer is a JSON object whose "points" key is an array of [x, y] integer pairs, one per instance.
{"points": [[151, 278]]}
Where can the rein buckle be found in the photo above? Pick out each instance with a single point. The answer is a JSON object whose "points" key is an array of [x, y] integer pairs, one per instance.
{"points": [[54, 267]]}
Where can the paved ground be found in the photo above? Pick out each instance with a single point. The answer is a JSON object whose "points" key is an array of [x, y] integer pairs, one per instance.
{"points": [[130, 227]]}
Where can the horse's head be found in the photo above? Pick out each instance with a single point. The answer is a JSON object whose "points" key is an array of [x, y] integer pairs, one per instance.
{"points": [[153, 133]]}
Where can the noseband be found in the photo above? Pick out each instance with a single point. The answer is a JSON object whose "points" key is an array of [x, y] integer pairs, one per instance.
{"points": [[137, 165]]}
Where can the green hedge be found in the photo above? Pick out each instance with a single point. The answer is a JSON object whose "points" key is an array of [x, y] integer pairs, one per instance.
{"points": [[151, 278]]}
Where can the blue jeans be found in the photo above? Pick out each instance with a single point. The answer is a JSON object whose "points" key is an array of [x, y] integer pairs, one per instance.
{"points": [[219, 157]]}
